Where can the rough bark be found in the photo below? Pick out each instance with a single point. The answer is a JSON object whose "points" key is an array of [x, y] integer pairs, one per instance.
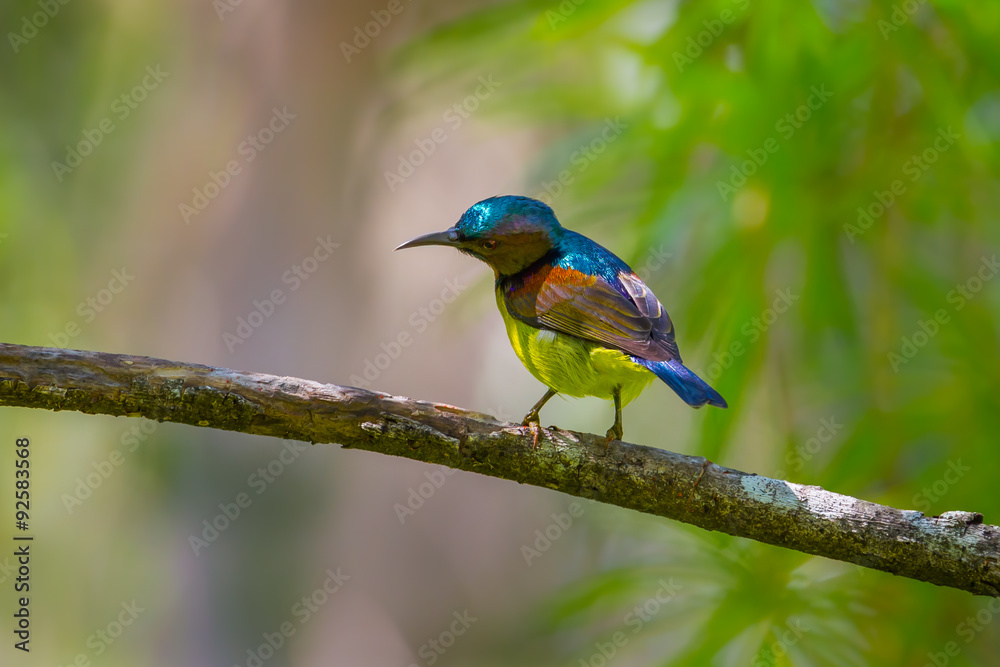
{"points": [[955, 549]]}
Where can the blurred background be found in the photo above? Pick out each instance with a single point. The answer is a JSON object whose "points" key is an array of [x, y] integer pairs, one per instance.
{"points": [[811, 188]]}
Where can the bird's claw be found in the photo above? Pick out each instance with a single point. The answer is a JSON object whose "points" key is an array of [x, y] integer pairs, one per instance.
{"points": [[704, 467], [613, 434], [531, 420]]}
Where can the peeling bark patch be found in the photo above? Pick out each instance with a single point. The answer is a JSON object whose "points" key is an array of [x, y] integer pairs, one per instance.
{"points": [[770, 491]]}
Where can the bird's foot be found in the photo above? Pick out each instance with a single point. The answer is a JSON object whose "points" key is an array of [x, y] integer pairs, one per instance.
{"points": [[614, 433], [704, 467], [531, 420]]}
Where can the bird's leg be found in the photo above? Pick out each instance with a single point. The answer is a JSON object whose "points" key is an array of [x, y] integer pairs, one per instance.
{"points": [[616, 431], [532, 416], [531, 419]]}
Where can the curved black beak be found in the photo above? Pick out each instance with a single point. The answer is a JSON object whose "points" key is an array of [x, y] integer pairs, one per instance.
{"points": [[448, 237]]}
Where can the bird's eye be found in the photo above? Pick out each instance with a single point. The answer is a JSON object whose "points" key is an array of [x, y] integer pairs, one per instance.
{"points": [[489, 244]]}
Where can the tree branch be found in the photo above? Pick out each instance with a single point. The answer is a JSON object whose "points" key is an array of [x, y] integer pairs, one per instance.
{"points": [[955, 549]]}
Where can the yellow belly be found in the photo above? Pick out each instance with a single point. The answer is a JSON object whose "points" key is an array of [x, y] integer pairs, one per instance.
{"points": [[573, 366]]}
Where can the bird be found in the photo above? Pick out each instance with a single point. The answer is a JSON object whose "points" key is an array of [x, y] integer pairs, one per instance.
{"points": [[581, 321]]}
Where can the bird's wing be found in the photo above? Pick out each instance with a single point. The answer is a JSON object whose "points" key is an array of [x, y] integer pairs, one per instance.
{"points": [[626, 315]]}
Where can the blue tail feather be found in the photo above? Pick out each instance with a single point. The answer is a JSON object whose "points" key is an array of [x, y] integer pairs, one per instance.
{"points": [[688, 386]]}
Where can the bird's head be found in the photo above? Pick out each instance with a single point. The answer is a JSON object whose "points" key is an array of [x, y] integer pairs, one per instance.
{"points": [[509, 233]]}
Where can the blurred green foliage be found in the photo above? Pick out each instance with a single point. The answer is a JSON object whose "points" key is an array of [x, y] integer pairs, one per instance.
{"points": [[877, 380], [842, 154], [57, 82]]}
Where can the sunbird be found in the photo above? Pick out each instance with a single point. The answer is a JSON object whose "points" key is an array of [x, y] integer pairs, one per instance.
{"points": [[579, 319]]}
